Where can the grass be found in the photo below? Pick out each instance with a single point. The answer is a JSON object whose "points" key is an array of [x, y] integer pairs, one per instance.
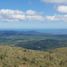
{"points": [[20, 57]]}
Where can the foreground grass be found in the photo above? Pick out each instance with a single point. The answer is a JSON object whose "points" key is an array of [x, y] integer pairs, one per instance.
{"points": [[19, 57]]}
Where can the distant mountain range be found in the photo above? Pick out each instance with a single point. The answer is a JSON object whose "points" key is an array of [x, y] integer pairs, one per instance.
{"points": [[36, 32], [54, 31]]}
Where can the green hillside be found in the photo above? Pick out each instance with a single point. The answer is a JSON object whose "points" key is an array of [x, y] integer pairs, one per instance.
{"points": [[20, 57]]}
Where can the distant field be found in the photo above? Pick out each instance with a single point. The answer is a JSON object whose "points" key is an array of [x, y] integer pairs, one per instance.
{"points": [[33, 40]]}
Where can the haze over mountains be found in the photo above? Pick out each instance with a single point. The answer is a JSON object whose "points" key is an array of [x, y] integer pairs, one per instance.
{"points": [[36, 31]]}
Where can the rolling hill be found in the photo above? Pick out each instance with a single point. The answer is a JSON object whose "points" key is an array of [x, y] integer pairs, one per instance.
{"points": [[20, 57]]}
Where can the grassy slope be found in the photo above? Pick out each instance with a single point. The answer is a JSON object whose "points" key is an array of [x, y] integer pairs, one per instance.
{"points": [[19, 57]]}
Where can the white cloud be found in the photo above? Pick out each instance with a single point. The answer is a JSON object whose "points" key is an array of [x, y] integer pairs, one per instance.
{"points": [[60, 18], [14, 15], [17, 15], [52, 18], [55, 1], [31, 12], [62, 9]]}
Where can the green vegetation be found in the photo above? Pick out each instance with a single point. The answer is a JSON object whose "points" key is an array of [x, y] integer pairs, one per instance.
{"points": [[20, 57], [33, 40]]}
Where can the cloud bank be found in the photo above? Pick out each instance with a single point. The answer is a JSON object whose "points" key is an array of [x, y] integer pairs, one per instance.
{"points": [[62, 9], [17, 15], [31, 15], [55, 1]]}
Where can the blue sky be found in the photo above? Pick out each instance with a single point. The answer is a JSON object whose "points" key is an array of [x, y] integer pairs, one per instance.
{"points": [[33, 14]]}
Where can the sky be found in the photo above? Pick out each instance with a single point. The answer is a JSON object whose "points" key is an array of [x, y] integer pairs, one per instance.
{"points": [[33, 14]]}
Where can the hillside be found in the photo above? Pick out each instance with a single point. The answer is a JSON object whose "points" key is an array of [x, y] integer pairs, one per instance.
{"points": [[20, 57]]}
